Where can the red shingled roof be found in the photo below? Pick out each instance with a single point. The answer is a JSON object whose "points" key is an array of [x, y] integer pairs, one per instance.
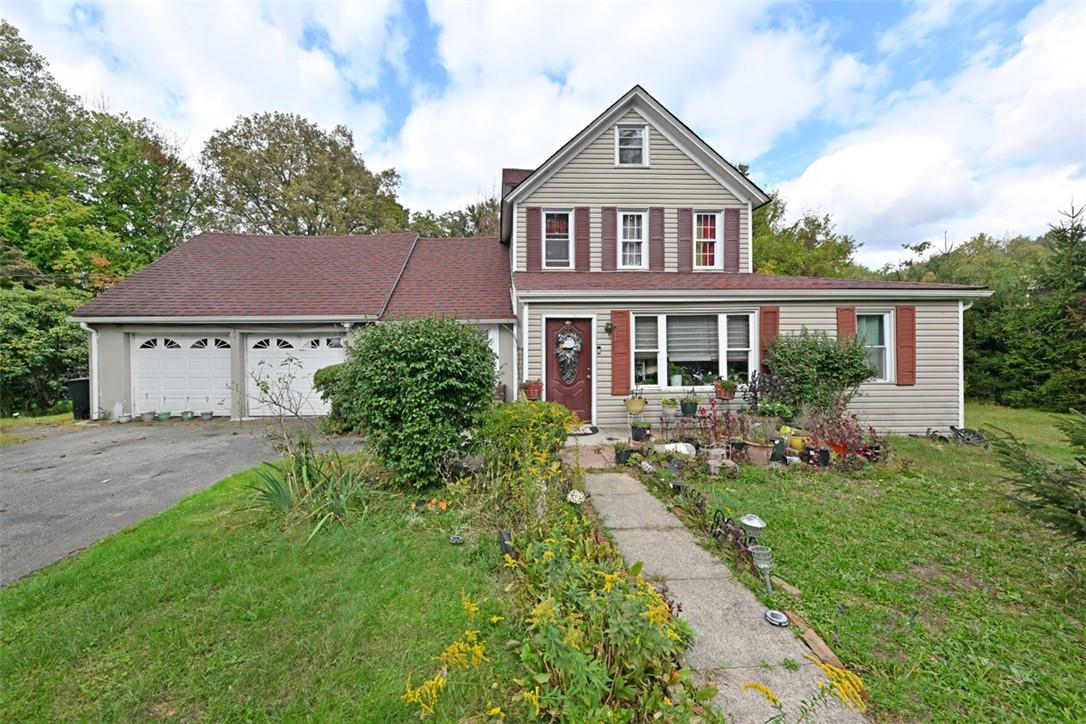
{"points": [[464, 278], [633, 281], [250, 275]]}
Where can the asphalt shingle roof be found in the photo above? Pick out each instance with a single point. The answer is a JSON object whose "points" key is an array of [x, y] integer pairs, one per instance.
{"points": [[724, 281]]}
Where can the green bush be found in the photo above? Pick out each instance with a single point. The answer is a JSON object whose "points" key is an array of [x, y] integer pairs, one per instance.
{"points": [[39, 348], [325, 381], [413, 387], [813, 370]]}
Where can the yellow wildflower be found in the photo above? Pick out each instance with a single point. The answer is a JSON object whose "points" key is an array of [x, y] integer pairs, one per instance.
{"points": [[532, 697], [846, 686], [544, 612], [495, 712], [510, 561], [764, 690], [659, 614], [471, 635], [470, 606], [426, 695], [609, 580], [547, 555], [495, 619]]}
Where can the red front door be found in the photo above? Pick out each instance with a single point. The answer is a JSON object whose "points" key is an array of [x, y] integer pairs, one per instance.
{"points": [[569, 365]]}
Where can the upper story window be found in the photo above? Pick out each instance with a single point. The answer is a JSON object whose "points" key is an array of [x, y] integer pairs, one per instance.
{"points": [[707, 246], [632, 240], [873, 330], [631, 145], [557, 240]]}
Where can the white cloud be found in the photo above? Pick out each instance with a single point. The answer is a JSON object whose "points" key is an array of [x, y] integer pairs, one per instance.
{"points": [[999, 148], [525, 77], [926, 17], [194, 71]]}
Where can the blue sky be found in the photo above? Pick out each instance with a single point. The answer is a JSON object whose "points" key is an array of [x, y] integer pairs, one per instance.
{"points": [[904, 120]]}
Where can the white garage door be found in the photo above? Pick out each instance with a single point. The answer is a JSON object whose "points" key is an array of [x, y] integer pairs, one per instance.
{"points": [[177, 372], [286, 363]]}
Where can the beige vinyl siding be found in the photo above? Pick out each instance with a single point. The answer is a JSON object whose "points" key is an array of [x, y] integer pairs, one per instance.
{"points": [[933, 402], [672, 181]]}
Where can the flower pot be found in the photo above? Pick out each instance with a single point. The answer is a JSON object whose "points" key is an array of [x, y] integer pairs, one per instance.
{"points": [[689, 408], [186, 415], [798, 442], [724, 393], [148, 416], [124, 419], [639, 434], [759, 453], [676, 380], [824, 457], [162, 416], [622, 457], [207, 415], [635, 406], [532, 390]]}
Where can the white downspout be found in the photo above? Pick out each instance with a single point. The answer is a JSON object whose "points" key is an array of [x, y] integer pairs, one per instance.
{"points": [[94, 401], [962, 307]]}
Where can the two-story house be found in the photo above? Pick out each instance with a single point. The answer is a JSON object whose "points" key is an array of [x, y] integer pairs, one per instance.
{"points": [[625, 260]]}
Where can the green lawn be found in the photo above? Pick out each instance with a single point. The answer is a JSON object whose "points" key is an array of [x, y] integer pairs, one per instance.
{"points": [[957, 604], [14, 430], [213, 611]]}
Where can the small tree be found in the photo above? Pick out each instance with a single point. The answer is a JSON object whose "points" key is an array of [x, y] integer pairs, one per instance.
{"points": [[1053, 492], [814, 370], [413, 387]]}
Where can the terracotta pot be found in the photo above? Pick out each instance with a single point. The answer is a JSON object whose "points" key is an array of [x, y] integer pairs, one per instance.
{"points": [[723, 393], [532, 390], [758, 453]]}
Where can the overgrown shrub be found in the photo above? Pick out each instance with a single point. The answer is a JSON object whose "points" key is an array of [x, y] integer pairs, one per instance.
{"points": [[39, 348], [523, 476], [601, 643], [1054, 493], [413, 387], [816, 370], [325, 381]]}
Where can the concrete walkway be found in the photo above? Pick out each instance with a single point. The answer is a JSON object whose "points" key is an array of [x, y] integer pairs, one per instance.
{"points": [[733, 643]]}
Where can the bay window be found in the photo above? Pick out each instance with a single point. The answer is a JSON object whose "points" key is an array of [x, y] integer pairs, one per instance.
{"points": [[676, 350], [872, 331], [557, 240], [631, 240], [707, 231]]}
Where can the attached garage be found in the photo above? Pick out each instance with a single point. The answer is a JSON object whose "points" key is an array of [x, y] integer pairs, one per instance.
{"points": [[280, 368], [176, 372]]}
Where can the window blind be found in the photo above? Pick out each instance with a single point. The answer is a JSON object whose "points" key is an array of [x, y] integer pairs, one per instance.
{"points": [[692, 339], [645, 333]]}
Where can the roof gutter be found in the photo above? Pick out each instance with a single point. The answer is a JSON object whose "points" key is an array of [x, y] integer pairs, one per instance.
{"points": [[702, 295]]}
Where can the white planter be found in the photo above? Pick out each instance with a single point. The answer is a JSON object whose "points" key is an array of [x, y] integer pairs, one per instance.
{"points": [[676, 380]]}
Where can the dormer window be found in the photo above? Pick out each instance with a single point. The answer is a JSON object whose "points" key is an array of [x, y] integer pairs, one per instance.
{"points": [[632, 146]]}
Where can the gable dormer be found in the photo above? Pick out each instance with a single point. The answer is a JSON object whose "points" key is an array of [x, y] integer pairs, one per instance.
{"points": [[636, 190]]}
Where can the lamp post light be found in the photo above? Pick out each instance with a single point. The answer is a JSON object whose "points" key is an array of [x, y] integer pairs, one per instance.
{"points": [[763, 561]]}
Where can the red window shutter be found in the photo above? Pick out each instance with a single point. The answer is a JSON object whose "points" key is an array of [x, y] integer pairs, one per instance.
{"points": [[905, 344], [769, 328], [609, 232], [731, 240], [581, 251], [656, 239], [620, 352], [846, 323], [534, 238], [686, 240]]}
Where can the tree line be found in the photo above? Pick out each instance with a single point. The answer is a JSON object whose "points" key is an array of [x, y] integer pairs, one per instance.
{"points": [[88, 196]]}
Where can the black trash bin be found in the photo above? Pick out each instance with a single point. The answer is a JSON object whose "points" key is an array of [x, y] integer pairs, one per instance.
{"points": [[79, 391]]}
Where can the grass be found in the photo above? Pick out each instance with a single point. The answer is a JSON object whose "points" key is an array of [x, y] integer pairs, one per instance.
{"points": [[14, 430], [950, 601], [214, 611]]}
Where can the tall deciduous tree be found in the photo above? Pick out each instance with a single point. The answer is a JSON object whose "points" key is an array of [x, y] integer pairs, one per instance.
{"points": [[478, 219], [278, 173], [809, 246]]}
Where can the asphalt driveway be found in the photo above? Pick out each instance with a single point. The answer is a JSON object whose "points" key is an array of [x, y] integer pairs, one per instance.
{"points": [[60, 494]]}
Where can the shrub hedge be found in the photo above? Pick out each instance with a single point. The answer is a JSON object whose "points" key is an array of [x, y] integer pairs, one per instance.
{"points": [[815, 370]]}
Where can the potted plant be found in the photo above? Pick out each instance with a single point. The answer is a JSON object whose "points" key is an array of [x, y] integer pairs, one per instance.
{"points": [[207, 415], [532, 389], [676, 374], [725, 389], [636, 404], [772, 408], [671, 405], [689, 404], [162, 415], [639, 430], [187, 414], [148, 416], [623, 453]]}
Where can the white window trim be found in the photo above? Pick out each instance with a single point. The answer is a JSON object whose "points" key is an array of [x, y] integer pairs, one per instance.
{"points": [[543, 240], [644, 145], [890, 343], [722, 349], [719, 255], [644, 240]]}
